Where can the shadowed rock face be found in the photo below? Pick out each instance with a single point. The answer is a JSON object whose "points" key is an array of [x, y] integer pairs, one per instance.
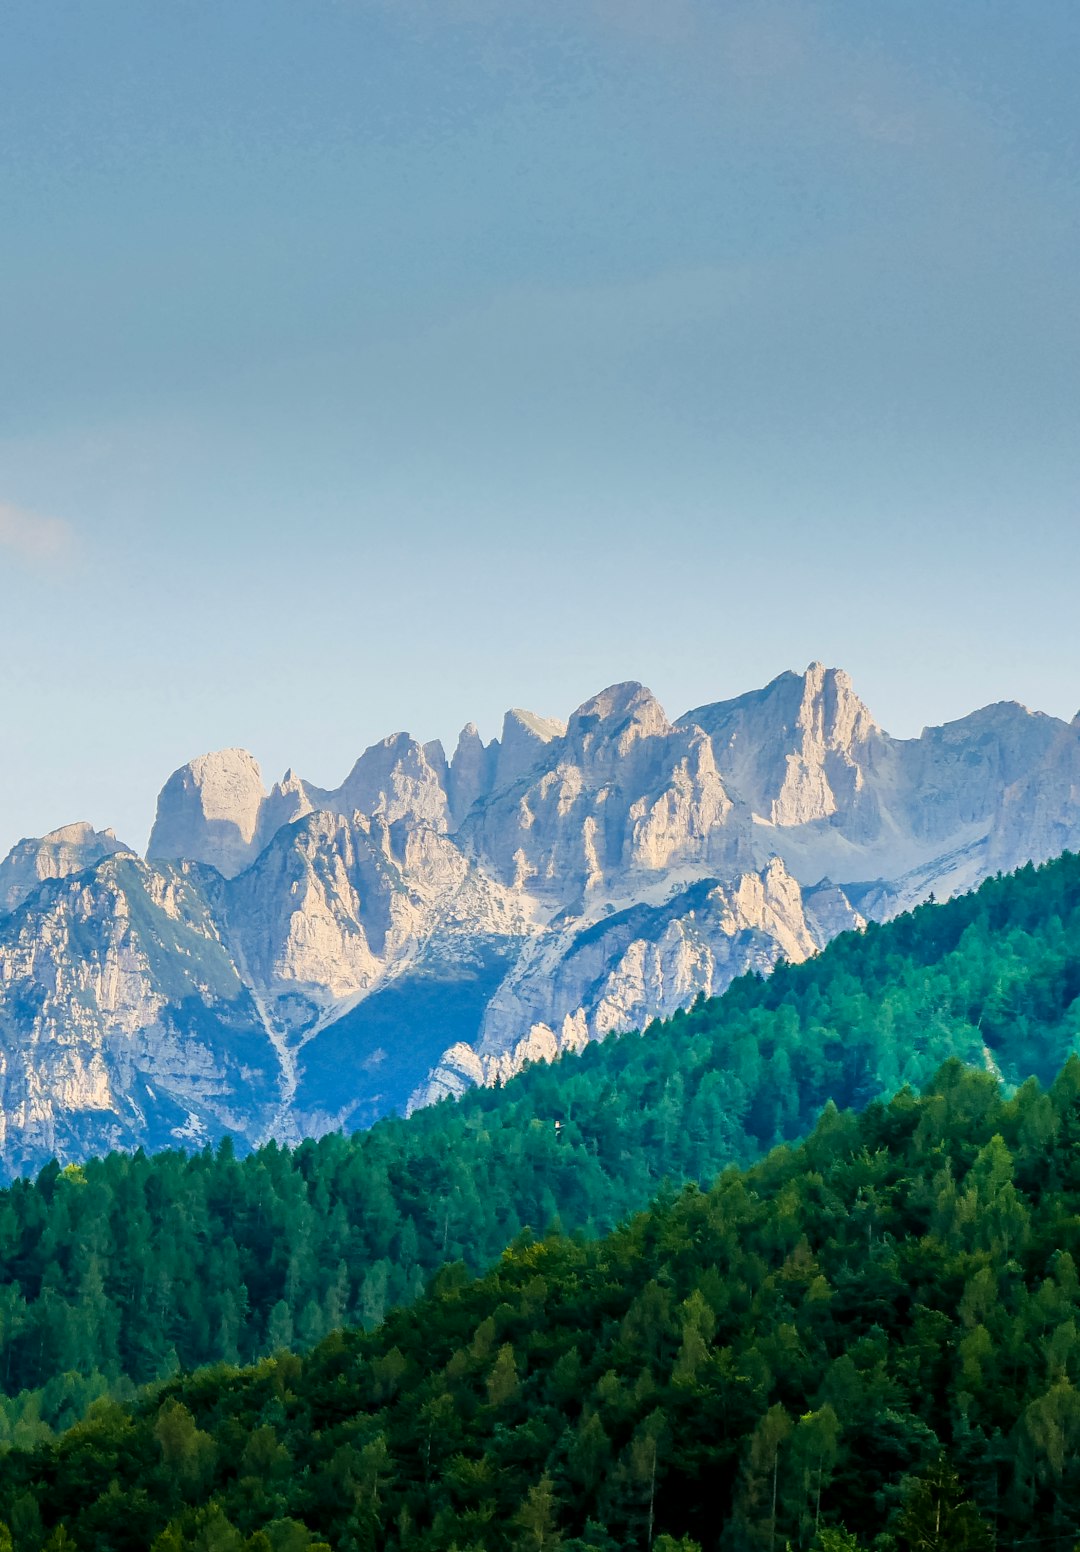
{"points": [[293, 959]]}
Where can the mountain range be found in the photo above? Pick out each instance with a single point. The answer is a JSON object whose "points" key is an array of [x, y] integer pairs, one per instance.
{"points": [[288, 961]]}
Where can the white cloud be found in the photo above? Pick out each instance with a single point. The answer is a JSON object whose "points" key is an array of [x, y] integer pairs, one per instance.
{"points": [[32, 537]]}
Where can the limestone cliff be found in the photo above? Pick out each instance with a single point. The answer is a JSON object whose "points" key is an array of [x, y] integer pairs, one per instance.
{"points": [[124, 1019], [621, 794], [585, 980], [208, 811], [72, 849], [797, 751]]}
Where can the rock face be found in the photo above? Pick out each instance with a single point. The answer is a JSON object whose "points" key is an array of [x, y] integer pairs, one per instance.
{"points": [[392, 779], [125, 1021], [580, 983], [208, 811], [333, 906], [797, 751], [72, 849], [621, 795], [298, 958]]}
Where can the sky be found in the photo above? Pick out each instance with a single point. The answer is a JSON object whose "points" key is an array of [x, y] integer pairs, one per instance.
{"points": [[370, 365]]}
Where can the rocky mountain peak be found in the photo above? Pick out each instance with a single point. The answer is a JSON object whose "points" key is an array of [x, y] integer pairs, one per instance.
{"points": [[525, 738], [470, 749], [832, 718], [393, 778], [793, 750], [820, 697], [226, 780], [71, 849], [77, 834], [209, 810], [288, 801], [616, 719], [621, 794], [555, 884], [471, 772], [544, 729], [977, 755]]}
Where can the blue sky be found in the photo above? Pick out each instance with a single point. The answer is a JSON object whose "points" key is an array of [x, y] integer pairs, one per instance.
{"points": [[374, 365]]}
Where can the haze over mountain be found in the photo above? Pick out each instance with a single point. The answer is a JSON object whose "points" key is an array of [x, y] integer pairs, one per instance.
{"points": [[290, 959]]}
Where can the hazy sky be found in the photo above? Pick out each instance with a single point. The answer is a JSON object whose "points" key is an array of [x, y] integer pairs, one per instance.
{"points": [[375, 365]]}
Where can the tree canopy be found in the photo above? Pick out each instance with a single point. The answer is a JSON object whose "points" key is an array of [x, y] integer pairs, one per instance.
{"points": [[866, 1340]]}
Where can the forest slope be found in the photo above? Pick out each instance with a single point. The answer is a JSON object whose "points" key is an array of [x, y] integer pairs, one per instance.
{"points": [[813, 1344]]}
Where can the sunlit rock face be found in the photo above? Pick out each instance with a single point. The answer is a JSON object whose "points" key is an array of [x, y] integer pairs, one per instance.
{"points": [[208, 811], [798, 750], [71, 849], [295, 957], [621, 795], [584, 981], [125, 1021]]}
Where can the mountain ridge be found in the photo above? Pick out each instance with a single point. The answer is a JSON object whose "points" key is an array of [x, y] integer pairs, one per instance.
{"points": [[561, 881]]}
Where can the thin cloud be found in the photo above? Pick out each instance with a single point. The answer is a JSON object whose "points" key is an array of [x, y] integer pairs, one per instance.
{"points": [[772, 64], [32, 537]]}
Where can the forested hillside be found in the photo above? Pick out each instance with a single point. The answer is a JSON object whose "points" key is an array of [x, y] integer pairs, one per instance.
{"points": [[131, 1268], [871, 1335]]}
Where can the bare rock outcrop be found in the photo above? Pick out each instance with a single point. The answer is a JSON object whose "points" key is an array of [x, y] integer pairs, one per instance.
{"points": [[71, 849], [622, 792], [124, 1019], [392, 780], [796, 751], [522, 745], [334, 907], [616, 973], [472, 772], [208, 811]]}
